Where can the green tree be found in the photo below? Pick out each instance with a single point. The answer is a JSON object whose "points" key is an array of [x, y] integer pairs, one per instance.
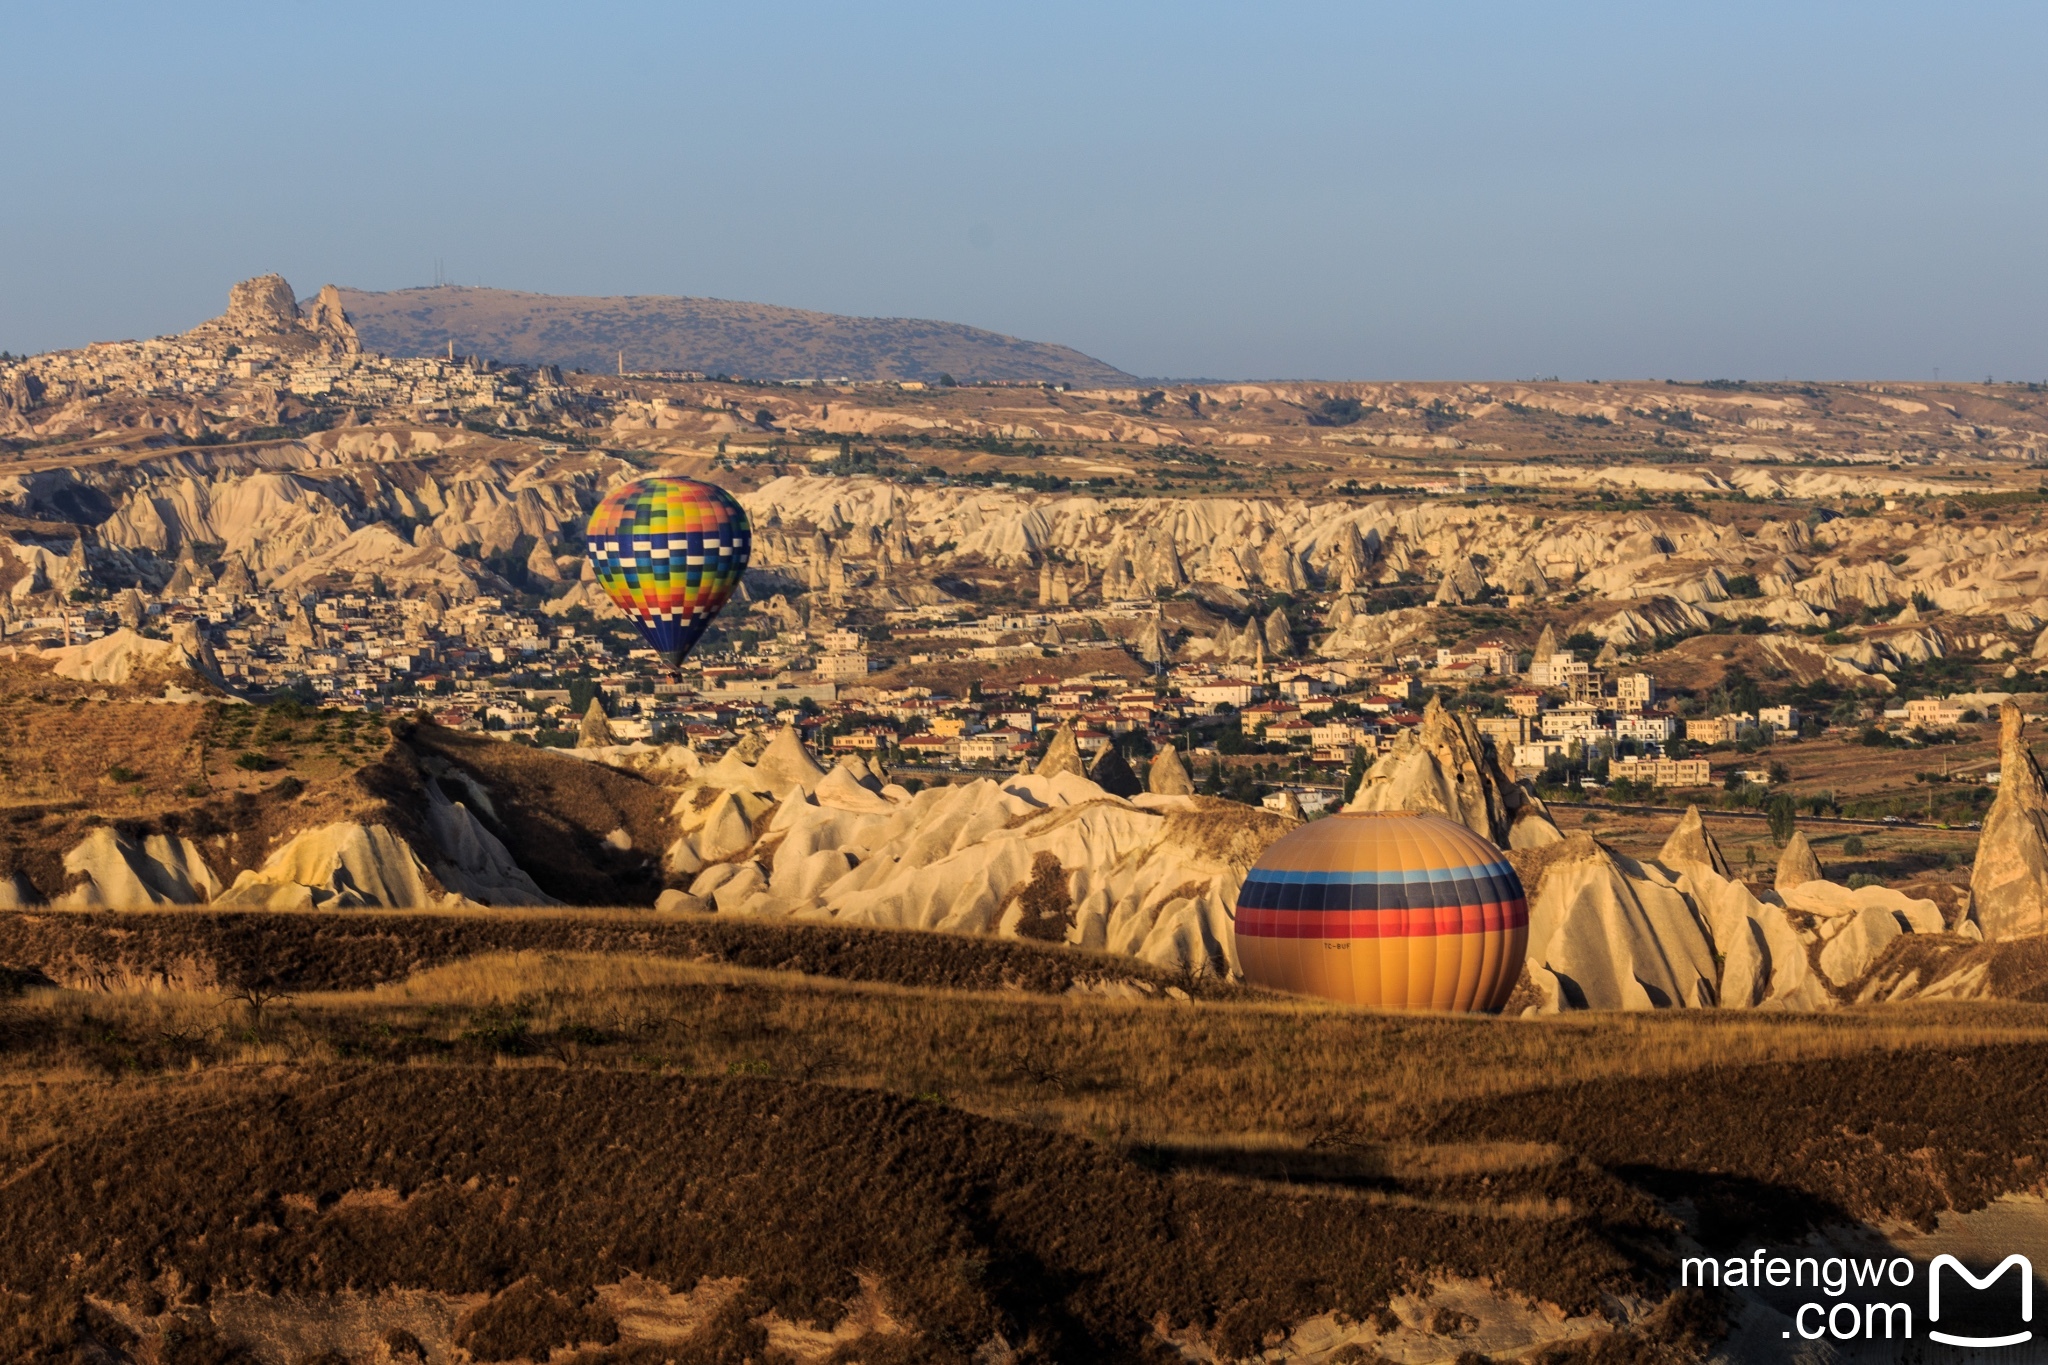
{"points": [[582, 691], [1779, 811], [1356, 776]]}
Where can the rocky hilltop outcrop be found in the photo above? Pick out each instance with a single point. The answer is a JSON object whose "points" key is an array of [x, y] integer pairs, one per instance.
{"points": [[265, 312], [1606, 932], [1062, 754], [1641, 575], [1167, 775], [2009, 883]]}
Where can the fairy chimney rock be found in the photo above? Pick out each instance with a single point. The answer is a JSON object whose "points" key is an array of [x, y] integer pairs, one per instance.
{"points": [[1063, 755], [596, 731], [1798, 865], [2009, 885], [1691, 845], [1168, 776]]}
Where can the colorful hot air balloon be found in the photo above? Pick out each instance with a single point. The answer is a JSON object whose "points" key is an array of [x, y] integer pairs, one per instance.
{"points": [[1391, 909], [669, 552]]}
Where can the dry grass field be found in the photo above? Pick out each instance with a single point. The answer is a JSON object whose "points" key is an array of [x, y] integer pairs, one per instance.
{"points": [[513, 1110], [121, 750], [1265, 1073]]}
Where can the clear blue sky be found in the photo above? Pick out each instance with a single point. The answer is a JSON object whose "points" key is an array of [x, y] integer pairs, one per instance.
{"points": [[1181, 189]]}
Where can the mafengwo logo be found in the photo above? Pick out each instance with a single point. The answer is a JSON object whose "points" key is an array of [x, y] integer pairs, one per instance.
{"points": [[1853, 1290], [2026, 1269]]}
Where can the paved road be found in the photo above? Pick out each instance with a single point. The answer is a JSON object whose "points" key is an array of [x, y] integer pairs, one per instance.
{"points": [[1759, 815], [1714, 814]]}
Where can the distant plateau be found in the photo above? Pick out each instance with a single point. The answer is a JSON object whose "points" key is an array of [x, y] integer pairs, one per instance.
{"points": [[704, 336]]}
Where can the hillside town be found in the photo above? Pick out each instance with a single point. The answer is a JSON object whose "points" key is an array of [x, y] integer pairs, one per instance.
{"points": [[560, 679], [404, 534]]}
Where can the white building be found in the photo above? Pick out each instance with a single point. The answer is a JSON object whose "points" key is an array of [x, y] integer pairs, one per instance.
{"points": [[1663, 772], [1313, 800], [1652, 729], [1212, 695], [1341, 735], [1537, 752], [841, 666], [1557, 671], [1580, 718]]}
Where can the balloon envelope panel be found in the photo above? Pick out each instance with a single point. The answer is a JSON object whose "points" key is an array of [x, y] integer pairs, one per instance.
{"points": [[1392, 909], [669, 552]]}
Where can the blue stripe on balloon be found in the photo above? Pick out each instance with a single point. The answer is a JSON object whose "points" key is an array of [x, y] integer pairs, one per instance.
{"points": [[1415, 888]]}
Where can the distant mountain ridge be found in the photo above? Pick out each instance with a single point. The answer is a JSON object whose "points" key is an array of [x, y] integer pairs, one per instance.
{"points": [[715, 336]]}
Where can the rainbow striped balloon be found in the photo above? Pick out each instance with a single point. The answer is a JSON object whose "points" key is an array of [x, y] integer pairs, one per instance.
{"points": [[669, 552], [1393, 909]]}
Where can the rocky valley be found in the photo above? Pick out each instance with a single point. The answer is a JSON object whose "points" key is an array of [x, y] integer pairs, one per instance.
{"points": [[497, 993]]}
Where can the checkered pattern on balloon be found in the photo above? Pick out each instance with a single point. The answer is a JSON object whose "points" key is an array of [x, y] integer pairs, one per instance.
{"points": [[669, 552]]}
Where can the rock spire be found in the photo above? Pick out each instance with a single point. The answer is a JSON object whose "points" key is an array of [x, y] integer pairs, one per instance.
{"points": [[1442, 766], [596, 731], [2009, 885], [1168, 776], [1111, 772], [1798, 865], [1691, 845], [1063, 755]]}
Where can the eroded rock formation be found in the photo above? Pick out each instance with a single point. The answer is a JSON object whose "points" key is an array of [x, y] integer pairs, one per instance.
{"points": [[1797, 865], [2009, 884], [1167, 775], [1446, 766], [1062, 755]]}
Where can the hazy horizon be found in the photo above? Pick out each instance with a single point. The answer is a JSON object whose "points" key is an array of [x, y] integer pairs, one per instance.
{"points": [[1205, 191]]}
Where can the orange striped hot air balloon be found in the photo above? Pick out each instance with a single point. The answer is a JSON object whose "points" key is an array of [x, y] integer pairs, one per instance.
{"points": [[1391, 909]]}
